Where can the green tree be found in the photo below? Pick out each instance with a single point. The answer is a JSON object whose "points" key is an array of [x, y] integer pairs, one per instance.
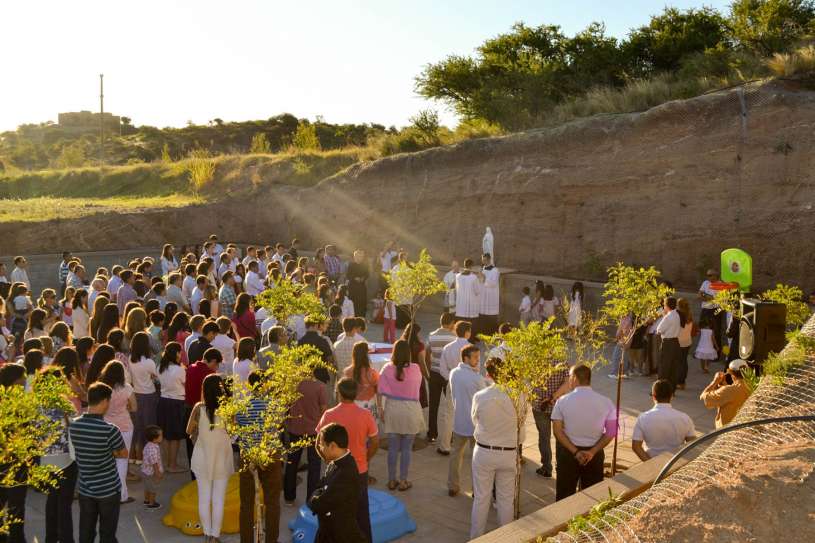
{"points": [[305, 138], [72, 156], [287, 298], [771, 26], [412, 283], [165, 153], [638, 294], [26, 433], [515, 78], [589, 337], [532, 354], [672, 36], [260, 441], [260, 144], [426, 122]]}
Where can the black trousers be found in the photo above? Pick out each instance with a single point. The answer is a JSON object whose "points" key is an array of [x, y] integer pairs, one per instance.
{"points": [[105, 512], [293, 463], [669, 360], [438, 386], [682, 367], [363, 510], [13, 499], [59, 523], [187, 440], [571, 476]]}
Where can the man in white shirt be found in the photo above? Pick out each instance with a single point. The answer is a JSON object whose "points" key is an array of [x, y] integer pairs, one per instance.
{"points": [[583, 422], [224, 344], [253, 283], [450, 358], [343, 348], [174, 292], [668, 329], [496, 446], [465, 381], [490, 279], [251, 256], [19, 273], [198, 293], [217, 247], [280, 250], [188, 284], [439, 415], [467, 291], [450, 283], [663, 428]]}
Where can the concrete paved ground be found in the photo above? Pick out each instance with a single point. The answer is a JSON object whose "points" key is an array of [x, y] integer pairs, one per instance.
{"points": [[439, 518]]}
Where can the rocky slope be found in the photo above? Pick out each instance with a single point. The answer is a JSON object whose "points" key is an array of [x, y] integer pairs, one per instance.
{"points": [[672, 187]]}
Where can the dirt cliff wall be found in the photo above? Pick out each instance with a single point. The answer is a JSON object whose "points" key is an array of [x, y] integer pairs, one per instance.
{"points": [[672, 187]]}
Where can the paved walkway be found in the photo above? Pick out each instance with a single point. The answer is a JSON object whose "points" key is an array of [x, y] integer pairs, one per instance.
{"points": [[439, 518]]}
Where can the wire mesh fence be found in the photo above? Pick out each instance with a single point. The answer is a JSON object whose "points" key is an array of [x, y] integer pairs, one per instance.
{"points": [[792, 396]]}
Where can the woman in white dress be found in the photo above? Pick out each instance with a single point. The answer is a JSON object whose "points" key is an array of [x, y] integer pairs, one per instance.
{"points": [[212, 461], [79, 313], [168, 262], [575, 305]]}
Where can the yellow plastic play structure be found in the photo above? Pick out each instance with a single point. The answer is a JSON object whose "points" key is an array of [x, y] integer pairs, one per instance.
{"points": [[183, 512]]}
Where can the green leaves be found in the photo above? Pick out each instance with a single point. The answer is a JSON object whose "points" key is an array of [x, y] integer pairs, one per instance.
{"points": [[792, 297], [532, 353], [27, 432], [286, 299], [414, 282], [635, 292], [261, 442]]}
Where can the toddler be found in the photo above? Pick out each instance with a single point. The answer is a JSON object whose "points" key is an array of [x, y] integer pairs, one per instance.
{"points": [[525, 309], [389, 319], [151, 468]]}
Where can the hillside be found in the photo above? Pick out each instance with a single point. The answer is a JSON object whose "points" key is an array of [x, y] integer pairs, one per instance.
{"points": [[671, 187]]}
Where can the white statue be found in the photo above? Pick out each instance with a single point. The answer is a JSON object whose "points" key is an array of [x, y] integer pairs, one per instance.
{"points": [[488, 244]]}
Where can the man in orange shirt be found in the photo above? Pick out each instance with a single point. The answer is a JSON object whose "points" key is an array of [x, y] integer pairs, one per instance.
{"points": [[363, 441]]}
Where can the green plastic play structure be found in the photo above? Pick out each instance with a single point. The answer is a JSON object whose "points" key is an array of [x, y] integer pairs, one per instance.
{"points": [[737, 267]]}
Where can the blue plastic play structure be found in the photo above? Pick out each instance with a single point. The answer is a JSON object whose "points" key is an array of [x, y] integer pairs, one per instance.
{"points": [[389, 520]]}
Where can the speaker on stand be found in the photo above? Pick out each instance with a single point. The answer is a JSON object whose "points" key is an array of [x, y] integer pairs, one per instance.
{"points": [[761, 330]]}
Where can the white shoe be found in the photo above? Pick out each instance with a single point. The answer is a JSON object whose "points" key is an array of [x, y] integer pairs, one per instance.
{"points": [[612, 376]]}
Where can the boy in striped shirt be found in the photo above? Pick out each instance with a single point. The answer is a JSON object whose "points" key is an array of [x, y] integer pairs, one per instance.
{"points": [[97, 444]]}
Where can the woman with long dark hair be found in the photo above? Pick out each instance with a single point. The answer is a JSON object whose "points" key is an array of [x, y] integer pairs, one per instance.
{"points": [[84, 351], [365, 377], [144, 377], [212, 461], [575, 305], [178, 331], [344, 301], [244, 317], [122, 403], [104, 353], [110, 320], [67, 360], [169, 263], [685, 341], [36, 324], [399, 383], [418, 356], [98, 310], [79, 313], [171, 420]]}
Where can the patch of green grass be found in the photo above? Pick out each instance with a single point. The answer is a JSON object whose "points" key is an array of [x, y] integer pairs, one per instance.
{"points": [[46, 208]]}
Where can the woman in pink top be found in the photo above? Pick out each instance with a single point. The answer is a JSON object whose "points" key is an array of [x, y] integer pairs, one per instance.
{"points": [[366, 377], [178, 331], [399, 384], [244, 317], [122, 403]]}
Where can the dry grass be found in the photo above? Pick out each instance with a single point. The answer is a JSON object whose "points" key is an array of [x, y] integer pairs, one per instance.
{"points": [[48, 208], [799, 62]]}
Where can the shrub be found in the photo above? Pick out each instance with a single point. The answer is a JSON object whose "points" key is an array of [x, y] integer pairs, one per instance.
{"points": [[260, 144], [305, 138], [201, 168]]}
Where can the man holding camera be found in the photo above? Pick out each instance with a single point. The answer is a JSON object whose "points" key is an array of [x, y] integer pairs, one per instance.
{"points": [[727, 393]]}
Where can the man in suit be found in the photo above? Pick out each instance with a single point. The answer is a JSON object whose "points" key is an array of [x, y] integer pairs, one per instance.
{"points": [[335, 501]]}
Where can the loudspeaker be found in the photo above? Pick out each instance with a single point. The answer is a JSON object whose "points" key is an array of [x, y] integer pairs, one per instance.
{"points": [[761, 330]]}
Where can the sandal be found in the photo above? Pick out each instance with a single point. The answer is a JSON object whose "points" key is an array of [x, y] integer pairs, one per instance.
{"points": [[405, 485], [392, 485]]}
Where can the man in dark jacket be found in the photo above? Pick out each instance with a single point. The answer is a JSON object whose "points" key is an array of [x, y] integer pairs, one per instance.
{"points": [[335, 501]]}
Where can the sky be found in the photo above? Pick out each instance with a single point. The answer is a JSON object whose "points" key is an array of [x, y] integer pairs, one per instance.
{"points": [[169, 62]]}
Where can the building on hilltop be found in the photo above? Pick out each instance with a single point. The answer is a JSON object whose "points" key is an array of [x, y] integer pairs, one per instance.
{"points": [[81, 121]]}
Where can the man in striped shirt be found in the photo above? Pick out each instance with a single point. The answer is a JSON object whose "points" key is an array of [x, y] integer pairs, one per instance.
{"points": [[438, 340], [97, 444], [270, 475]]}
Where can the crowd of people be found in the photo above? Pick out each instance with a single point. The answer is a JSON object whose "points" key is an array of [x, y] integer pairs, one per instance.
{"points": [[149, 348]]}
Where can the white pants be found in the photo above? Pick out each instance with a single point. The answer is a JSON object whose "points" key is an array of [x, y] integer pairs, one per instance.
{"points": [[211, 494], [490, 467], [444, 420], [121, 463]]}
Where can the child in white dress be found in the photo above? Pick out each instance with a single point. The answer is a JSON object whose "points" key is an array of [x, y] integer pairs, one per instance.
{"points": [[706, 349]]}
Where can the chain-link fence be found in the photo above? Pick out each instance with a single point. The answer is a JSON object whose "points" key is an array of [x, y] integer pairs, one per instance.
{"points": [[792, 396]]}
